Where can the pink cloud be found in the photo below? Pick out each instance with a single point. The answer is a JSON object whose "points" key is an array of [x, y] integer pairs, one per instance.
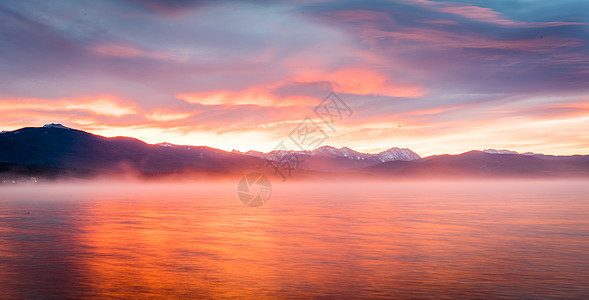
{"points": [[126, 51], [483, 14], [441, 38]]}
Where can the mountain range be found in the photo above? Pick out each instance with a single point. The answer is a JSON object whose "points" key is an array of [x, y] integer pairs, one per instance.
{"points": [[55, 151]]}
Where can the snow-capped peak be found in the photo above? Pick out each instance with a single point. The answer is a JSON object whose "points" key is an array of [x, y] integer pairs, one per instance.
{"points": [[388, 155], [393, 154], [345, 152], [54, 125], [342, 152], [332, 150]]}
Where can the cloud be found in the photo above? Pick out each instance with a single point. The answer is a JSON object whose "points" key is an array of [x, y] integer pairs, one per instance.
{"points": [[103, 105], [225, 72], [477, 52], [484, 14]]}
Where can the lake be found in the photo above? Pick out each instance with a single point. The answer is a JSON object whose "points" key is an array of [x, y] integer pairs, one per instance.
{"points": [[467, 239]]}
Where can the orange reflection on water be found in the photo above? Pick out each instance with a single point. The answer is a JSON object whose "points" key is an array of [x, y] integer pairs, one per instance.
{"points": [[361, 240], [180, 246]]}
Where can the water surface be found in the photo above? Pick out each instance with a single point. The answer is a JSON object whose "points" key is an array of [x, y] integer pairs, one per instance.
{"points": [[311, 240]]}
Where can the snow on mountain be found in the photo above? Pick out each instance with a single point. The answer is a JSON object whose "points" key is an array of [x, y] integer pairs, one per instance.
{"points": [[343, 152], [395, 154], [392, 154], [175, 146], [504, 151], [54, 125], [167, 145]]}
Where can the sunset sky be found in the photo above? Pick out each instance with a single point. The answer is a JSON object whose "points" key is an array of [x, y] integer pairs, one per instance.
{"points": [[432, 76]]}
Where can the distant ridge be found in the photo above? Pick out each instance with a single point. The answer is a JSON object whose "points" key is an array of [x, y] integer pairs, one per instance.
{"points": [[392, 154], [57, 151], [504, 151], [477, 164]]}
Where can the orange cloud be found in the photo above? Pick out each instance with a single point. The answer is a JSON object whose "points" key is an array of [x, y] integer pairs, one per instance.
{"points": [[360, 80], [101, 105], [545, 129], [164, 116], [437, 110], [260, 96]]}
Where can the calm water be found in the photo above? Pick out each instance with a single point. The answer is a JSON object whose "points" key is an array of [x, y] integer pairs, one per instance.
{"points": [[396, 240]]}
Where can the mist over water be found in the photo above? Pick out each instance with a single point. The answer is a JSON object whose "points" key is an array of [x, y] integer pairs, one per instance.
{"points": [[427, 239]]}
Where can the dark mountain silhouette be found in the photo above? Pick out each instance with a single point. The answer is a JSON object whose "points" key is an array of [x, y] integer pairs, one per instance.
{"points": [[55, 151], [64, 150], [481, 164]]}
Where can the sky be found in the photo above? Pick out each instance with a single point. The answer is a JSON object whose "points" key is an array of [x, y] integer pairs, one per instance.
{"points": [[433, 76]]}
